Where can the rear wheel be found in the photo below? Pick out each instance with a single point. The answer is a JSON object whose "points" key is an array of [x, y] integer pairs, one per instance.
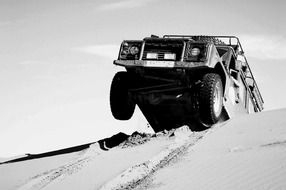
{"points": [[211, 98], [121, 104]]}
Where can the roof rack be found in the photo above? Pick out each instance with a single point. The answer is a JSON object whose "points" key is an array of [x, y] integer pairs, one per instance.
{"points": [[227, 41], [217, 40]]}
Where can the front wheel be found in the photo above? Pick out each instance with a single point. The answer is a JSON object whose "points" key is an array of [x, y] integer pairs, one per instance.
{"points": [[211, 98], [121, 104]]}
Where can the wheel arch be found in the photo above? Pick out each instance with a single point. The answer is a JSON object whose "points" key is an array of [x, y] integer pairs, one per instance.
{"points": [[219, 69]]}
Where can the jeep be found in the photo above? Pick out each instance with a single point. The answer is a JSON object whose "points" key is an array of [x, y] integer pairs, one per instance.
{"points": [[180, 80]]}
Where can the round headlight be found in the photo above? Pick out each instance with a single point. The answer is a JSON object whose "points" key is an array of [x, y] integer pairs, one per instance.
{"points": [[134, 50], [195, 51]]}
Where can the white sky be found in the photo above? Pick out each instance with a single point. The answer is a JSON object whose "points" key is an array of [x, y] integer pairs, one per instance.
{"points": [[56, 60]]}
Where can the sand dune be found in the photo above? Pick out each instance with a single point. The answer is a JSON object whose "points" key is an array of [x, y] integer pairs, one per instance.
{"points": [[247, 152]]}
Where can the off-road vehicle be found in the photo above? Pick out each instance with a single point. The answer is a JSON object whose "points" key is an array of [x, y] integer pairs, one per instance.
{"points": [[183, 80]]}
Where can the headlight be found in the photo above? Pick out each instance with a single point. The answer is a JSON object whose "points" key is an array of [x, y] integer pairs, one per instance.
{"points": [[130, 50], [195, 51], [134, 50]]}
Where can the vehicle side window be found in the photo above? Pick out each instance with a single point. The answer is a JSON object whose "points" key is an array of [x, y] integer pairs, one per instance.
{"points": [[224, 54], [221, 51]]}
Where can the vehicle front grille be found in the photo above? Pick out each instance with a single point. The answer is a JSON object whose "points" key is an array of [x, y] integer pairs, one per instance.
{"points": [[163, 47]]}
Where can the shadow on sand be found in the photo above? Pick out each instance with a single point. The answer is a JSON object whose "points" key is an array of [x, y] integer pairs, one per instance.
{"points": [[104, 144]]}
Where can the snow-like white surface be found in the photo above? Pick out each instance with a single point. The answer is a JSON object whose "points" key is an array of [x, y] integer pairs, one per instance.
{"points": [[244, 153], [88, 169], [183, 138]]}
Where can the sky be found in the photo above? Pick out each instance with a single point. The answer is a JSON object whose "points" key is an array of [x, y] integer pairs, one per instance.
{"points": [[56, 60]]}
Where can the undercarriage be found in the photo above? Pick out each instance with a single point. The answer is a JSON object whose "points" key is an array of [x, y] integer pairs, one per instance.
{"points": [[168, 104], [167, 99]]}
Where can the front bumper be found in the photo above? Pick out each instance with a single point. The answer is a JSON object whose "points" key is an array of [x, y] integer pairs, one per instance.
{"points": [[158, 64]]}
